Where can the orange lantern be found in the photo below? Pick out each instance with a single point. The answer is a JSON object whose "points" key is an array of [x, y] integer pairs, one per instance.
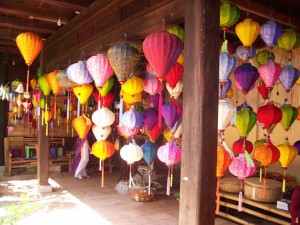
{"points": [[82, 125], [52, 81], [33, 83]]}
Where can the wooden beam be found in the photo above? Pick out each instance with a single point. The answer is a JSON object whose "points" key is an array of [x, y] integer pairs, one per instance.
{"points": [[26, 27], [64, 5], [200, 113]]}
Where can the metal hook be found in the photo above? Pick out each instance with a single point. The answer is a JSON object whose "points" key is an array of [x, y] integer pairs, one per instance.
{"points": [[82, 56]]}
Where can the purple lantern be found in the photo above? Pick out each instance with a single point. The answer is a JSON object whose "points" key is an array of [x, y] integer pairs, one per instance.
{"points": [[270, 32], [153, 100], [177, 124], [245, 77], [171, 112], [226, 65], [132, 119], [226, 87], [150, 118], [288, 77], [245, 54], [79, 73], [270, 72], [297, 145]]}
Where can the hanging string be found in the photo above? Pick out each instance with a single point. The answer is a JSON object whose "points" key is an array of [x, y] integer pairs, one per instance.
{"points": [[102, 178], [168, 182], [218, 195], [163, 24]]}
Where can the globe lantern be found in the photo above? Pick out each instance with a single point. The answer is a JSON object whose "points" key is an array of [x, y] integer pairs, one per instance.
{"points": [[289, 115], [103, 101], [247, 31], [287, 40], [227, 64], [229, 14], [245, 54], [288, 77], [226, 111], [268, 115], [178, 31], [245, 77], [245, 121], [101, 133], [133, 86], [270, 32], [242, 144], [79, 74], [132, 119], [126, 132], [103, 117], [130, 99], [153, 86], [264, 56], [269, 73]]}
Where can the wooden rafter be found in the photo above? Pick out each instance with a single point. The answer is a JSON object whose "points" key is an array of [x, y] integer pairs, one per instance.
{"points": [[64, 5]]}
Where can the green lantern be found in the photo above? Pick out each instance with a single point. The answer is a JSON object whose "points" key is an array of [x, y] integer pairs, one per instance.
{"points": [[289, 115], [229, 14], [264, 56], [245, 121], [259, 142], [44, 85], [297, 44], [287, 40], [106, 87], [178, 31]]}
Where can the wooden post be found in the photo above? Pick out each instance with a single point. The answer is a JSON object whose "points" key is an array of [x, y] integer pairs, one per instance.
{"points": [[43, 146], [200, 113]]}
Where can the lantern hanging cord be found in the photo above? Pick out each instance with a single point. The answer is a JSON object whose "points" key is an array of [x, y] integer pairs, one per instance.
{"points": [[27, 82], [82, 56], [163, 24]]}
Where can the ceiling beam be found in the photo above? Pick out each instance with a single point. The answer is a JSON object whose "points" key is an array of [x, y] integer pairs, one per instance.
{"points": [[24, 27], [64, 5]]}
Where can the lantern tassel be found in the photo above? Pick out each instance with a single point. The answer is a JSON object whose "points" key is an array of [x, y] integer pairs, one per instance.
{"points": [[100, 164], [260, 174], [218, 196], [265, 184], [283, 182], [168, 183], [27, 81], [240, 201], [121, 112], [160, 110], [149, 181], [102, 179], [171, 180], [130, 178]]}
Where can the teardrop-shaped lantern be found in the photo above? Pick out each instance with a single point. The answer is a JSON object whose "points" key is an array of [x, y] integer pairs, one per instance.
{"points": [[242, 144], [100, 69], [82, 125], [154, 133], [103, 117], [178, 31], [288, 77], [247, 31], [33, 83], [123, 59], [101, 133], [153, 86], [79, 73], [171, 112], [162, 50], [44, 85], [150, 118], [132, 119], [245, 121], [229, 14], [262, 89], [245, 54], [226, 111], [269, 73], [83, 92], [133, 85], [149, 151], [270, 32], [289, 115], [227, 64], [52, 81], [174, 75], [105, 101], [287, 40], [245, 77], [268, 115], [63, 81], [175, 92]]}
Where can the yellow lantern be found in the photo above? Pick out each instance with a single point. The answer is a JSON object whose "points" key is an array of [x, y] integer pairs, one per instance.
{"points": [[181, 58], [33, 83], [83, 92], [287, 40], [247, 31], [133, 86], [52, 81], [167, 135], [130, 99]]}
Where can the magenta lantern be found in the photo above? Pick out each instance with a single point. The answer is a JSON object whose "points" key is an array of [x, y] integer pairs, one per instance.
{"points": [[171, 112], [245, 77], [269, 73], [153, 86], [150, 118]]}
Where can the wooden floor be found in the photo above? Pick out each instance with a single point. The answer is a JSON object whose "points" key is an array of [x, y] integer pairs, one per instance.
{"points": [[84, 202]]}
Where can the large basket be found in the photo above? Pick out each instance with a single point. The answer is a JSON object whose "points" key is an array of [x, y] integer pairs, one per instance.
{"points": [[140, 194], [230, 184], [253, 189]]}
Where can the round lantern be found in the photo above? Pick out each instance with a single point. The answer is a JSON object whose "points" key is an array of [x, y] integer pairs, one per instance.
{"points": [[287, 40], [245, 54], [262, 89], [289, 115], [264, 56], [103, 117], [101, 133], [245, 121], [100, 69], [270, 32], [242, 144], [104, 101], [247, 31], [162, 50], [226, 111], [79, 73], [178, 31], [226, 65], [245, 77], [63, 81], [229, 14], [126, 132], [153, 86], [175, 92], [132, 119], [150, 118], [133, 86], [268, 115], [174, 75], [287, 154], [130, 99], [171, 112], [82, 125], [288, 77], [269, 73], [123, 59]]}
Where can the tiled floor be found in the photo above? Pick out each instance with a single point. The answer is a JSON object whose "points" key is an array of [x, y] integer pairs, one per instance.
{"points": [[84, 202]]}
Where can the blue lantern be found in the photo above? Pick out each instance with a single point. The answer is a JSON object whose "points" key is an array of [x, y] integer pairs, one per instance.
{"points": [[245, 54], [288, 77], [149, 151], [270, 32], [132, 119], [226, 65]]}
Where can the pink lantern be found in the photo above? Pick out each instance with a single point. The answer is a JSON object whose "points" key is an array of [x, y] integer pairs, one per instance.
{"points": [[126, 132], [79, 73], [100, 69], [269, 73], [174, 75], [153, 86], [162, 50], [169, 154], [241, 168]]}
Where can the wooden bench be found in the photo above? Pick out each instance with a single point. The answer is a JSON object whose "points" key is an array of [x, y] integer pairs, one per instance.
{"points": [[14, 148], [265, 211]]}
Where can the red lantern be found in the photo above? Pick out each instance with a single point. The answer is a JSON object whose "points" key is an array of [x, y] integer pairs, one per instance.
{"points": [[241, 145], [155, 132], [104, 101], [174, 75], [268, 115], [262, 89]]}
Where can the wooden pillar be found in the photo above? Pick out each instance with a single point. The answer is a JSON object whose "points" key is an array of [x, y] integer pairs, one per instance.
{"points": [[200, 113], [43, 147]]}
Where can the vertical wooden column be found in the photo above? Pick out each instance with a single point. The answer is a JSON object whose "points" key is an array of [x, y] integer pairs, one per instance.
{"points": [[43, 148], [200, 113]]}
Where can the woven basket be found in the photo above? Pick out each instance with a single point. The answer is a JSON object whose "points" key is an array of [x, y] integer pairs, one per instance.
{"points": [[253, 189], [230, 184], [140, 194]]}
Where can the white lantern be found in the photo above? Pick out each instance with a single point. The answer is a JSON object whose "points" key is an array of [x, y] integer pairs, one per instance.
{"points": [[131, 153], [226, 111], [103, 117], [175, 92], [101, 133]]}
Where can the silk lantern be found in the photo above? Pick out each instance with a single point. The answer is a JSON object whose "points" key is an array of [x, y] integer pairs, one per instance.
{"points": [[133, 86], [262, 89], [178, 31], [227, 64], [150, 118], [30, 45], [264, 56], [226, 111], [287, 40], [223, 161], [268, 115], [297, 146], [266, 154], [288, 77], [229, 14], [82, 92], [132, 119], [245, 77], [171, 111], [153, 86], [100, 69], [131, 153], [242, 144], [245, 121], [269, 73], [52, 81], [44, 85], [82, 126], [130, 99], [103, 117], [104, 101], [270, 32], [154, 133], [247, 31], [127, 132], [287, 154], [226, 88], [78, 73], [245, 54], [101, 133], [107, 87], [123, 59], [33, 83], [162, 50], [63, 81], [289, 115], [170, 154], [174, 75], [240, 168], [175, 92]]}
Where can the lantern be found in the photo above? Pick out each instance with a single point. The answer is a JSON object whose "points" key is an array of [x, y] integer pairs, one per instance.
{"points": [[100, 69], [270, 32], [162, 50], [229, 14], [269, 73], [181, 58], [287, 154], [131, 153], [289, 115], [171, 111], [152, 100], [104, 101], [133, 86], [287, 40], [154, 133], [150, 118], [153, 86], [107, 87], [33, 83], [47, 117], [101, 133], [247, 31], [242, 169], [52, 81], [242, 144], [245, 77], [169, 154], [226, 111], [226, 65], [225, 89], [178, 31], [44, 85], [82, 126], [174, 75], [126, 132], [175, 92], [262, 89], [266, 154], [297, 146], [79, 73], [245, 121], [103, 117], [132, 119], [268, 115], [288, 77], [82, 93], [130, 99], [123, 59], [63, 81], [245, 54], [264, 56]]}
